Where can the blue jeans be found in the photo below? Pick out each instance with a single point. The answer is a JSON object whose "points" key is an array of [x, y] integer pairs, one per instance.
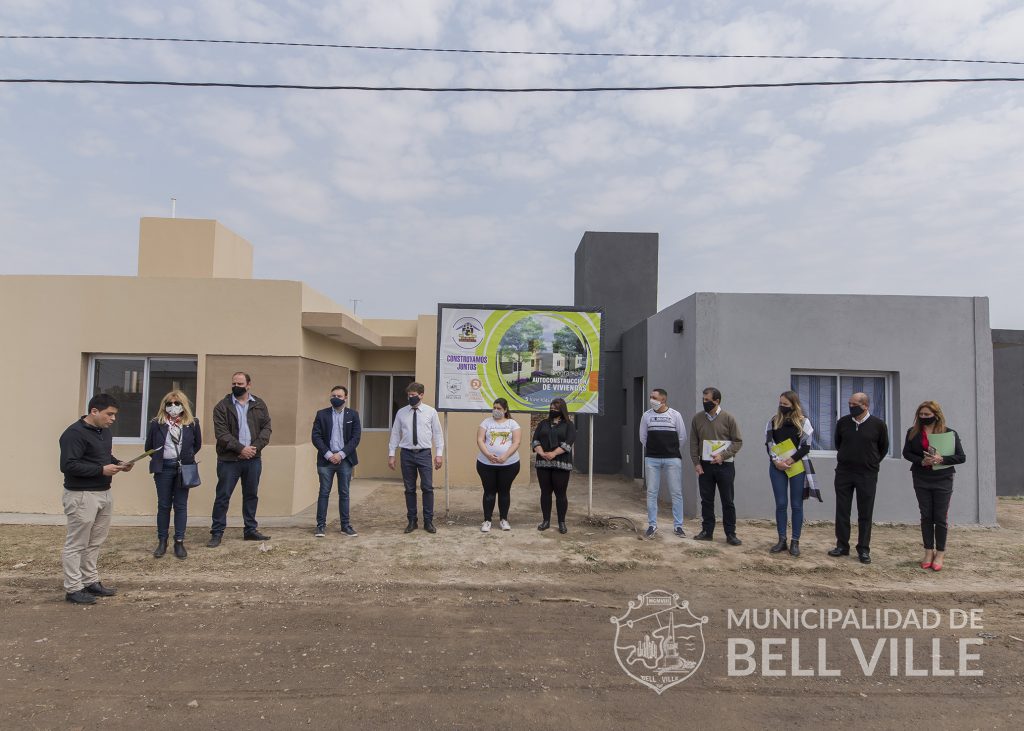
{"points": [[788, 490], [671, 468], [228, 475], [326, 472], [170, 491]]}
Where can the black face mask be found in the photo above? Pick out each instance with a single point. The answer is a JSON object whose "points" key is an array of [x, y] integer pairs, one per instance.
{"points": [[238, 391], [709, 406], [554, 414], [785, 410], [337, 402], [414, 401], [856, 410], [928, 420]]}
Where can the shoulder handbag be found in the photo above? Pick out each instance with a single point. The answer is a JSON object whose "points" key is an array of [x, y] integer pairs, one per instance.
{"points": [[189, 473]]}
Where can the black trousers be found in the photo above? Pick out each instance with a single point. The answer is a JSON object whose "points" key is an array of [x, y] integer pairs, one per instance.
{"points": [[553, 481], [861, 484], [723, 477], [497, 481], [933, 496], [418, 463]]}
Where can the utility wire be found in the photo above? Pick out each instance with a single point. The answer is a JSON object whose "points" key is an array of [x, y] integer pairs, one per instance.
{"points": [[510, 53], [507, 90]]}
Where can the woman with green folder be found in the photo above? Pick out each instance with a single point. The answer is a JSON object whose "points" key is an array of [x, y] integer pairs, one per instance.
{"points": [[932, 449], [787, 437]]}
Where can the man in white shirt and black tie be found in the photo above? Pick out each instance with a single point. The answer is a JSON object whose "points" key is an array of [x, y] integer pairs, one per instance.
{"points": [[416, 430]]}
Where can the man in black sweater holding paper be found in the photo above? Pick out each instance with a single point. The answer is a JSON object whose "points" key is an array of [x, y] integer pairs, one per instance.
{"points": [[861, 440]]}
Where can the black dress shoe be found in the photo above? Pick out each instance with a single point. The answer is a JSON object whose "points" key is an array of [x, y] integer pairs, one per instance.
{"points": [[179, 550], [794, 548], [544, 525], [256, 536], [704, 536], [428, 526], [79, 597], [214, 540], [413, 525], [161, 548], [733, 540], [779, 547], [563, 528], [837, 552], [864, 556], [97, 589]]}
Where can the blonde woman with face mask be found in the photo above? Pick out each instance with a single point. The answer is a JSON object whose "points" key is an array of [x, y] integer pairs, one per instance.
{"points": [[174, 434]]}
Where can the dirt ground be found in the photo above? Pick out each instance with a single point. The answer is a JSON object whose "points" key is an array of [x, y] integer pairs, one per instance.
{"points": [[465, 630]]}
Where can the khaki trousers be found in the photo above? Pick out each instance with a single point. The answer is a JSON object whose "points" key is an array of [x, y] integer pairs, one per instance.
{"points": [[88, 513]]}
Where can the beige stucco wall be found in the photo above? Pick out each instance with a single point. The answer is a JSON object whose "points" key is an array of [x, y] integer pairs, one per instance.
{"points": [[53, 323]]}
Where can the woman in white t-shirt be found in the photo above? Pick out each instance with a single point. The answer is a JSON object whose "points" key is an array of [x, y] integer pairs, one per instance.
{"points": [[498, 462]]}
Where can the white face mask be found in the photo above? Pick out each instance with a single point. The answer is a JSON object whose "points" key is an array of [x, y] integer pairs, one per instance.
{"points": [[655, 404], [498, 414], [174, 410]]}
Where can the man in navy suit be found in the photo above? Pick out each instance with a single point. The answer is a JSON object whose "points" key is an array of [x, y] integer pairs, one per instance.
{"points": [[336, 433]]}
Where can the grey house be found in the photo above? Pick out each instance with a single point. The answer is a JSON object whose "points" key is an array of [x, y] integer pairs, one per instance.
{"points": [[755, 346]]}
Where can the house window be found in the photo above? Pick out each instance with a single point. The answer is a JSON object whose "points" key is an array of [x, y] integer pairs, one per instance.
{"points": [[383, 394], [138, 383], [825, 395]]}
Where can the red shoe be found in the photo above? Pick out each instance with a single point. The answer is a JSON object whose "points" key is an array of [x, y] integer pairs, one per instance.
{"points": [[926, 565], [936, 567]]}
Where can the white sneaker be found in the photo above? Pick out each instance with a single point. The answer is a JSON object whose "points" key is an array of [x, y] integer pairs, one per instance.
{"points": [[505, 525], [486, 527]]}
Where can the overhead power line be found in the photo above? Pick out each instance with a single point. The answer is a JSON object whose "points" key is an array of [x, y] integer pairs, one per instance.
{"points": [[350, 46], [509, 90]]}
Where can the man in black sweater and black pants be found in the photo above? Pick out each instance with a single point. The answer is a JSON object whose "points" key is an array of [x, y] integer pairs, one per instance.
{"points": [[861, 440]]}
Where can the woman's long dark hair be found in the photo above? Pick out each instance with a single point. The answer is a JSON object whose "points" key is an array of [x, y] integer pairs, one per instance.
{"points": [[563, 410]]}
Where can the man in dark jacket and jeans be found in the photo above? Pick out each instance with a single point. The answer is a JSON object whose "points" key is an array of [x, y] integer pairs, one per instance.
{"points": [[241, 423], [861, 441], [88, 466]]}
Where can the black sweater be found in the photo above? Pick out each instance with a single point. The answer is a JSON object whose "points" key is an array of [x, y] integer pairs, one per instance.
{"points": [[914, 453], [789, 431], [861, 447], [84, 450]]}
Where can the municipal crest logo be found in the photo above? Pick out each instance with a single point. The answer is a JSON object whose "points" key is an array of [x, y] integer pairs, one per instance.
{"points": [[659, 642], [467, 332]]}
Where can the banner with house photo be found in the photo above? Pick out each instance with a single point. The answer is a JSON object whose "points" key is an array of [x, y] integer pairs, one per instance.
{"points": [[528, 355]]}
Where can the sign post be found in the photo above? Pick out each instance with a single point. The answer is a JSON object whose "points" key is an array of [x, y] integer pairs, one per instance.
{"points": [[447, 486]]}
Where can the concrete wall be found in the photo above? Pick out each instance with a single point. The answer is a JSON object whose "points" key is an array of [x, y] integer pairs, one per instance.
{"points": [[1008, 368], [738, 348], [633, 390], [617, 272]]}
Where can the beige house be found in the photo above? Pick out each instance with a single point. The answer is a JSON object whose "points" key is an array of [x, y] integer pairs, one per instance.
{"points": [[70, 337]]}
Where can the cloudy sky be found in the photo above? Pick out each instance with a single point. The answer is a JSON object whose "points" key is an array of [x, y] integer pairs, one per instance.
{"points": [[403, 199]]}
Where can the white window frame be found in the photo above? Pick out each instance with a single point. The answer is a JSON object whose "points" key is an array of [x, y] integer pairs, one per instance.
{"points": [[391, 387], [91, 383], [841, 406]]}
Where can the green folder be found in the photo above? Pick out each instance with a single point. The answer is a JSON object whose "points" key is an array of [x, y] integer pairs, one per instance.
{"points": [[944, 444], [788, 449]]}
